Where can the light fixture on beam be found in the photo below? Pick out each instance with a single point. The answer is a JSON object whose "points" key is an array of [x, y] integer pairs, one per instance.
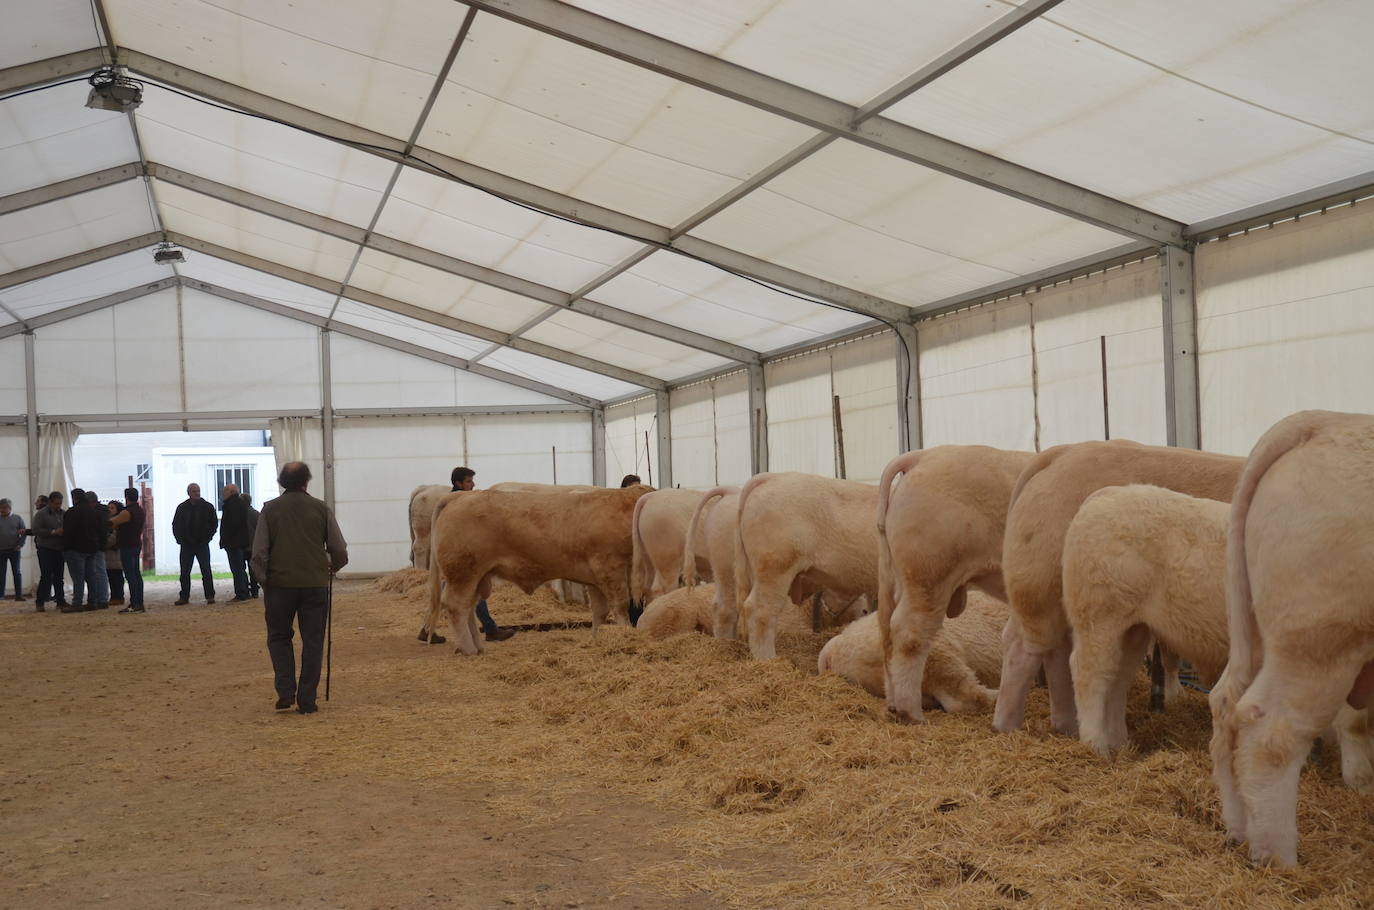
{"points": [[168, 252], [111, 90]]}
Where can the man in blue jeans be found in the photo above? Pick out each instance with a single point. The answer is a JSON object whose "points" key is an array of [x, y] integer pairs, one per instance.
{"points": [[12, 534], [128, 527], [464, 479], [193, 526], [234, 539]]}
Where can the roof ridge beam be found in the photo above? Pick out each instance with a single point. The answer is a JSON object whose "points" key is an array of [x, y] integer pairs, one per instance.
{"points": [[450, 264], [386, 341], [89, 306], [76, 260], [74, 186], [418, 313], [801, 105]]}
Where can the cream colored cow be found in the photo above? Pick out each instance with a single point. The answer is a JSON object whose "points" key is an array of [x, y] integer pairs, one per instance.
{"points": [[713, 525], [660, 536]]}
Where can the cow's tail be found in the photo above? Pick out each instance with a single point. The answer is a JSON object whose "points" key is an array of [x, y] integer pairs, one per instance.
{"points": [[435, 581], [641, 573], [1037, 464], [744, 574], [887, 579], [689, 549], [410, 520], [1282, 438]]}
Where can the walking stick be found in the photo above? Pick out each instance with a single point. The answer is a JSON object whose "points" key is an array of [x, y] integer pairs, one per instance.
{"points": [[329, 637]]}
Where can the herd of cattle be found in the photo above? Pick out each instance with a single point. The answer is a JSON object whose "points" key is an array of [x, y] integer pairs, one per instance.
{"points": [[989, 568]]}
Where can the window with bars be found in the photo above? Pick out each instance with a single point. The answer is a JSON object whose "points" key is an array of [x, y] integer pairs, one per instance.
{"points": [[240, 475], [143, 472]]}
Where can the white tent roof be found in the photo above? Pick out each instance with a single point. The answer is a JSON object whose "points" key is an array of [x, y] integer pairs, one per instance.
{"points": [[607, 196]]}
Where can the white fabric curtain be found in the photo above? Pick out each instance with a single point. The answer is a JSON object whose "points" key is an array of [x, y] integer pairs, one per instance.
{"points": [[56, 470], [288, 439]]}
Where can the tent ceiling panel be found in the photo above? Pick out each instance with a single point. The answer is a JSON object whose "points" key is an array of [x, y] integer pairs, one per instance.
{"points": [[371, 64], [895, 229], [851, 56], [188, 212], [411, 330], [703, 298], [259, 284], [37, 31], [368, 376], [1187, 128], [47, 232], [149, 381], [558, 374], [88, 282], [475, 226], [625, 347], [583, 123], [13, 388], [442, 292], [51, 135], [265, 158], [475, 389]]}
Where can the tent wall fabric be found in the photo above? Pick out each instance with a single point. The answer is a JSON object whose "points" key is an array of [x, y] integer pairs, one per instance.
{"points": [[626, 449]]}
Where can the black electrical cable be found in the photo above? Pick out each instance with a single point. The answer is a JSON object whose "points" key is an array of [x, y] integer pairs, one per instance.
{"points": [[39, 88], [422, 163]]}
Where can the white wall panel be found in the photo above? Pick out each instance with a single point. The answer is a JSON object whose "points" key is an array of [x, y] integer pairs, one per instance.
{"points": [[74, 366], [239, 358], [13, 390], [694, 436], [627, 451], [732, 427], [146, 374], [14, 486], [368, 376], [866, 382], [1124, 305], [800, 430], [976, 378], [1285, 322], [521, 447]]}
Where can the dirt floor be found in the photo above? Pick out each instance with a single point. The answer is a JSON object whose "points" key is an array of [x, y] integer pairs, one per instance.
{"points": [[143, 767]]}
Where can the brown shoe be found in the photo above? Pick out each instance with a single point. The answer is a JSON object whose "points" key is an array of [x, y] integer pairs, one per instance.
{"points": [[116, 601], [433, 638], [499, 634], [180, 602], [20, 597]]}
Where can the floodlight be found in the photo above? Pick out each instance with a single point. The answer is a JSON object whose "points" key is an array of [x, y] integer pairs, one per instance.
{"points": [[168, 252], [112, 91]]}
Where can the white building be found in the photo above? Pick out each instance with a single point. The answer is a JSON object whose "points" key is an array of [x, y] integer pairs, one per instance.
{"points": [[174, 468]]}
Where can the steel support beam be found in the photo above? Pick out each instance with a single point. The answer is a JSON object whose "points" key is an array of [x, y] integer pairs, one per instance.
{"points": [[387, 341], [65, 189], [53, 69], [1181, 403], [177, 416], [450, 265], [598, 447], [327, 414], [663, 420], [908, 354], [758, 420], [460, 411], [89, 306], [1316, 199], [804, 106], [76, 260], [31, 417]]}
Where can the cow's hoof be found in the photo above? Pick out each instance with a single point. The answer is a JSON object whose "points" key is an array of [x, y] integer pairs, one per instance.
{"points": [[905, 717]]}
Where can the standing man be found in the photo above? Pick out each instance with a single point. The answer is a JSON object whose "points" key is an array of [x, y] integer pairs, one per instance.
{"points": [[253, 587], [47, 532], [128, 527], [296, 548], [464, 480], [12, 533], [234, 540], [193, 526]]}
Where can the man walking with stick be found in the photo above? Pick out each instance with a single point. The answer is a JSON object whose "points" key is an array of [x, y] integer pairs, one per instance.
{"points": [[296, 551]]}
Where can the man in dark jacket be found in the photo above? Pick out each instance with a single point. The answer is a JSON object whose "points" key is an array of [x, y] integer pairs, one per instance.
{"points": [[83, 531], [296, 549], [234, 539], [47, 531], [193, 526], [253, 587], [128, 527]]}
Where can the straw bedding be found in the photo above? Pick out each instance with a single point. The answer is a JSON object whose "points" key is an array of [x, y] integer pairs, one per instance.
{"points": [[841, 806]]}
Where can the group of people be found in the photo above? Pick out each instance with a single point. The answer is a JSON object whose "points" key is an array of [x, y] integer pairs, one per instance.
{"points": [[99, 547], [193, 526]]}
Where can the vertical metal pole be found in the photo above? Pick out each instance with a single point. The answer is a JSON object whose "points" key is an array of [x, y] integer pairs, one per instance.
{"points": [[758, 420], [1106, 411], [839, 437], [181, 357], [554, 456], [908, 388], [1035, 373], [664, 413], [599, 447], [31, 416], [1181, 404], [327, 414]]}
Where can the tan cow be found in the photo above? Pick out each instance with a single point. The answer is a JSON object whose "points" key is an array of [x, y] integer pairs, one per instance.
{"points": [[712, 530], [517, 486], [1300, 595], [962, 666], [678, 611], [420, 510], [528, 539], [941, 516], [1044, 502], [660, 536], [798, 534]]}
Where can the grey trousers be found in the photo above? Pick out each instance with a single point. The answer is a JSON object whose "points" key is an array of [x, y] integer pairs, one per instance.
{"points": [[306, 607]]}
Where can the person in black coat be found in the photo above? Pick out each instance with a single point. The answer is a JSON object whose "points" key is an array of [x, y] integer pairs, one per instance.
{"points": [[235, 540], [193, 526]]}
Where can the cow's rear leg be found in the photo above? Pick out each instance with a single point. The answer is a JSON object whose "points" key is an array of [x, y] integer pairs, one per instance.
{"points": [[763, 608], [460, 602], [1276, 721], [910, 630], [725, 617], [1357, 747], [1222, 701], [1104, 661], [1019, 668]]}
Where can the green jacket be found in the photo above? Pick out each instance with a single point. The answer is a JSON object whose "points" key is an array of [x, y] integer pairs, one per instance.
{"points": [[298, 543]]}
